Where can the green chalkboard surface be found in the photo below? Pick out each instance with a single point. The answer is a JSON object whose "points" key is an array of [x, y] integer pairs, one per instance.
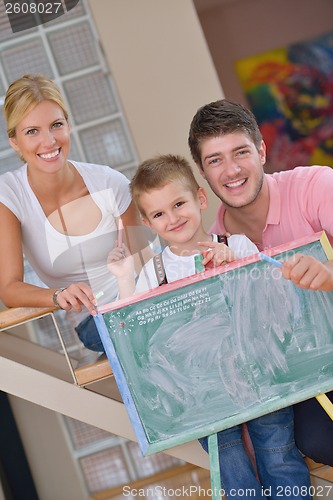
{"points": [[211, 351]]}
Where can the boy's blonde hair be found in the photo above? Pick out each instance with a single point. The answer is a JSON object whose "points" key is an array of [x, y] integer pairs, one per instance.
{"points": [[157, 172]]}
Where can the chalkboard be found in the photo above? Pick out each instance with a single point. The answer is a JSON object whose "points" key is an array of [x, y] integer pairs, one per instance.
{"points": [[217, 349]]}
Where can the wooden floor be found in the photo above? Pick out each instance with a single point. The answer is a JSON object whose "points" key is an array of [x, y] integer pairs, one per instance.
{"points": [[194, 482], [188, 482], [321, 479]]}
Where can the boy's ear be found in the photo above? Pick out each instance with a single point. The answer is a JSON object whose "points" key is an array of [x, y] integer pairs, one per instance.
{"points": [[147, 223], [202, 197]]}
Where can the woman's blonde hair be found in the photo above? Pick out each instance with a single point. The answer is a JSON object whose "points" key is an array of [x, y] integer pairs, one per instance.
{"points": [[24, 94]]}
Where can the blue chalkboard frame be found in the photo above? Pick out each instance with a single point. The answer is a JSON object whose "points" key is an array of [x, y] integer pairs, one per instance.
{"points": [[142, 417]]}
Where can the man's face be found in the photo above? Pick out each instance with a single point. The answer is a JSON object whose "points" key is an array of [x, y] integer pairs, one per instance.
{"points": [[233, 167]]}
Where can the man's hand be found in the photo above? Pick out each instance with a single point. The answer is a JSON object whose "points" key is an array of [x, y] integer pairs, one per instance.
{"points": [[309, 273]]}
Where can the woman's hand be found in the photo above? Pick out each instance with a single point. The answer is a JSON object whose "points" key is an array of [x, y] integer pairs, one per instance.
{"points": [[307, 272], [76, 296], [216, 254]]}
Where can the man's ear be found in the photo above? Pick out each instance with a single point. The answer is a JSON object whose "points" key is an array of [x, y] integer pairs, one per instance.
{"points": [[262, 153], [202, 198]]}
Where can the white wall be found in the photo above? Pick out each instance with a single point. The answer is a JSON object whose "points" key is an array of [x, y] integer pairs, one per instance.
{"points": [[162, 67]]}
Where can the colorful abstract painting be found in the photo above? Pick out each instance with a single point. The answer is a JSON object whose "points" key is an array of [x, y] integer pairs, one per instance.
{"points": [[290, 91]]}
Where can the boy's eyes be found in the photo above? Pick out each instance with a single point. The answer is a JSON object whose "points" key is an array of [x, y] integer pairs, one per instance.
{"points": [[177, 205]]}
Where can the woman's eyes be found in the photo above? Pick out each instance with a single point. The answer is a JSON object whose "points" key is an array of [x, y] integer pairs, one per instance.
{"points": [[57, 124], [31, 131]]}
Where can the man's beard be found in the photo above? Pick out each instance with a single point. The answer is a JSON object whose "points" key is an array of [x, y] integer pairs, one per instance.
{"points": [[245, 203]]}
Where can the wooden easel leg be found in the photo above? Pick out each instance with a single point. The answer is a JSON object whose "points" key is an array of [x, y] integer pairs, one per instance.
{"points": [[214, 462], [326, 404]]}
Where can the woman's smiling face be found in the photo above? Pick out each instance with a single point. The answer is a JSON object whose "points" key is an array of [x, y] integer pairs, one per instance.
{"points": [[42, 137]]}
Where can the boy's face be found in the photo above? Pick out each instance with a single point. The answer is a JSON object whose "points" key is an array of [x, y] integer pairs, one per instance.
{"points": [[173, 211], [233, 167]]}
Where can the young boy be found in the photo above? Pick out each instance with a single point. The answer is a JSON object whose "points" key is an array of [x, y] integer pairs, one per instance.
{"points": [[170, 202]]}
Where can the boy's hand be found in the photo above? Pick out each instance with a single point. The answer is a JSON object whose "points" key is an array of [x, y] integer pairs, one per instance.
{"points": [[216, 254], [120, 262], [307, 272]]}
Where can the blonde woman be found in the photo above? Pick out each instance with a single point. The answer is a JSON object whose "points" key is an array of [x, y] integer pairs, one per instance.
{"points": [[61, 214]]}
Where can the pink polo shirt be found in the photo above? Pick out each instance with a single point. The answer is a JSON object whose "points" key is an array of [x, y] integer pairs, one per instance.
{"points": [[301, 203]]}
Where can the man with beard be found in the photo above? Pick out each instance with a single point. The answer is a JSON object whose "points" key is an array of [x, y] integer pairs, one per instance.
{"points": [[270, 209]]}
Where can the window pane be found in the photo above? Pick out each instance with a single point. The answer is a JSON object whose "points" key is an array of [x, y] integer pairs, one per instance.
{"points": [[74, 48], [83, 434], [104, 470], [77, 11], [91, 97], [107, 144], [5, 27], [2, 89], [10, 162], [46, 334], [74, 152], [129, 172], [147, 466], [28, 58], [3, 131]]}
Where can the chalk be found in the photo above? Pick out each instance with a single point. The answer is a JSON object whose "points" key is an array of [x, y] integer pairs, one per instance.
{"points": [[120, 232], [99, 295], [270, 259]]}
